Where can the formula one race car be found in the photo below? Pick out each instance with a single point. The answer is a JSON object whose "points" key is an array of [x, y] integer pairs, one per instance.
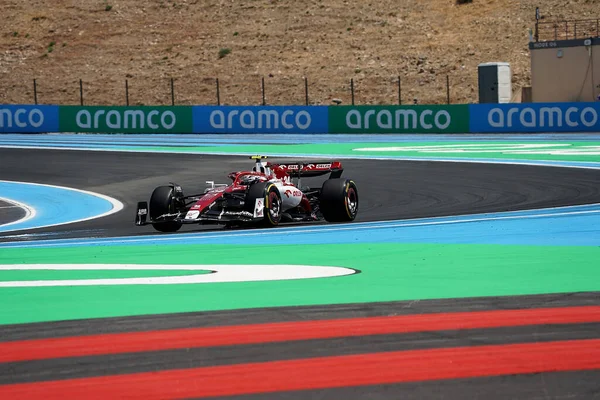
{"points": [[264, 196]]}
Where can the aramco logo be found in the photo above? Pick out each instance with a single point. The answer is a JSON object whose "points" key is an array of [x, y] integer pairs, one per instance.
{"points": [[262, 119], [126, 119], [21, 118]]}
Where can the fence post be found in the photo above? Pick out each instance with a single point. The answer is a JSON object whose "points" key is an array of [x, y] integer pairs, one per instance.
{"points": [[352, 89], [81, 92], [566, 30], [126, 92], [218, 92], [575, 29], [537, 22], [172, 92], [448, 89], [306, 90], [35, 91], [399, 91], [264, 102]]}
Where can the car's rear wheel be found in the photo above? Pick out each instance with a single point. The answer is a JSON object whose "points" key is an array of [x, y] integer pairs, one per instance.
{"points": [[264, 200], [161, 203], [339, 200]]}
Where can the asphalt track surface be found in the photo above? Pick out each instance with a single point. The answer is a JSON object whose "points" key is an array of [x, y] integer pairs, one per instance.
{"points": [[10, 212], [388, 190]]}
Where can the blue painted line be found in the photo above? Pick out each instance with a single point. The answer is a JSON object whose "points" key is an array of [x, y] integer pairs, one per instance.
{"points": [[568, 226], [118, 142], [101, 146], [55, 205], [225, 139], [124, 144], [547, 163]]}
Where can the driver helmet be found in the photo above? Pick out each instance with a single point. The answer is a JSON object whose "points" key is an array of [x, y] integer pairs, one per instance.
{"points": [[262, 167]]}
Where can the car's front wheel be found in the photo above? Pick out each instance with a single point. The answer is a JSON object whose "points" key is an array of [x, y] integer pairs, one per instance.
{"points": [[264, 201], [161, 204]]}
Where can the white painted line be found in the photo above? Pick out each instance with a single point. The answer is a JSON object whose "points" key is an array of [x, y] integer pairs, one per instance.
{"points": [[30, 212], [116, 206], [541, 163], [504, 148], [471, 147], [220, 274]]}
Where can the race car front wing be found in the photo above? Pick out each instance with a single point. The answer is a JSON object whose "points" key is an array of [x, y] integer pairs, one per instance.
{"points": [[208, 216]]}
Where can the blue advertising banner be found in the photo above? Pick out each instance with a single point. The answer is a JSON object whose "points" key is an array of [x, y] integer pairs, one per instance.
{"points": [[260, 119], [535, 117], [28, 119]]}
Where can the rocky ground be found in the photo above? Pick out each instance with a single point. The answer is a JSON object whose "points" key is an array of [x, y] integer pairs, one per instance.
{"points": [[105, 42]]}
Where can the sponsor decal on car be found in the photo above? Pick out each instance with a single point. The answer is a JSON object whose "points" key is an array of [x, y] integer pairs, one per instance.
{"points": [[192, 214], [259, 208], [295, 193]]}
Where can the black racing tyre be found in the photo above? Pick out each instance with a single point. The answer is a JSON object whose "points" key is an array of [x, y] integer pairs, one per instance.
{"points": [[161, 202], [270, 201], [339, 200]]}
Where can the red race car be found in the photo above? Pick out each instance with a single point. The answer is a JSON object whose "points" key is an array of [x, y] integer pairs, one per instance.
{"points": [[265, 196]]}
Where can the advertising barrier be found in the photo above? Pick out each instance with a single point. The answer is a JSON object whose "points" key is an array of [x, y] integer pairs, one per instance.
{"points": [[260, 119], [420, 119], [144, 119], [399, 119], [535, 117], [28, 119]]}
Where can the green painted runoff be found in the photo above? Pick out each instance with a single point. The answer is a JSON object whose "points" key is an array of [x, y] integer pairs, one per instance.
{"points": [[389, 272], [47, 275], [550, 150]]}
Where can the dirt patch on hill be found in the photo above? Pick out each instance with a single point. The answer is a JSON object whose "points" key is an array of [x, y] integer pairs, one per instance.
{"points": [[105, 42]]}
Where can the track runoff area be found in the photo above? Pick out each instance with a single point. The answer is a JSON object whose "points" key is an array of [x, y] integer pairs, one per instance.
{"points": [[446, 285]]}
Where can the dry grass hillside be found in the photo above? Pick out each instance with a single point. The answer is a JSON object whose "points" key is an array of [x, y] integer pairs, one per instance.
{"points": [[105, 42]]}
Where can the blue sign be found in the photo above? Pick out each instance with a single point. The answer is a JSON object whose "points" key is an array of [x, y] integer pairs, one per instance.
{"points": [[260, 119], [535, 117], [28, 119]]}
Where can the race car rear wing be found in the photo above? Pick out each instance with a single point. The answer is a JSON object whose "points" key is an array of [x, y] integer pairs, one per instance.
{"points": [[311, 169]]}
